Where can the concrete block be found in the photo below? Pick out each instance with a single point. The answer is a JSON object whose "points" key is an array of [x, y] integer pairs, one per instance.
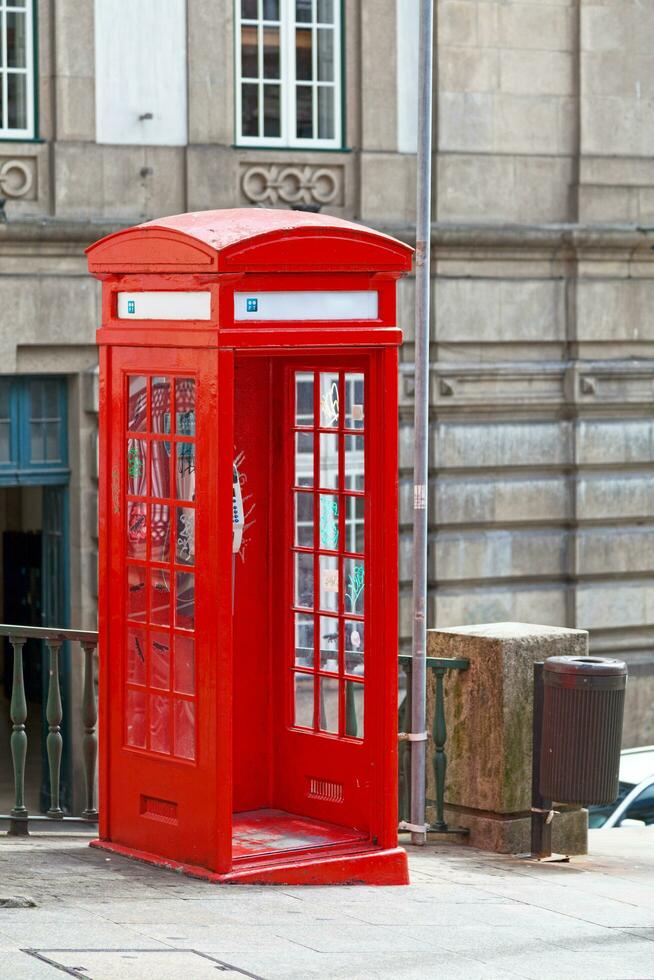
{"points": [[388, 188], [492, 310], [617, 125], [500, 444], [211, 71], [498, 554], [533, 124], [377, 54], [489, 722], [615, 441], [501, 499], [468, 69], [615, 310], [457, 22], [615, 550], [512, 835], [541, 27], [615, 495], [466, 121], [75, 108], [531, 604], [615, 604], [604, 27], [536, 72]]}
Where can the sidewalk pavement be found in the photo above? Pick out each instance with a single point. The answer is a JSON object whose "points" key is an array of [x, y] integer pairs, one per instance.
{"points": [[466, 915]]}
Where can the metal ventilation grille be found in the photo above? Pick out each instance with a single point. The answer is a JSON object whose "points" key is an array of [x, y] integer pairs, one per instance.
{"points": [[162, 810], [322, 789]]}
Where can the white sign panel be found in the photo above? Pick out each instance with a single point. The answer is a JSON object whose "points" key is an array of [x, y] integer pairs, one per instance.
{"points": [[309, 305], [164, 306]]}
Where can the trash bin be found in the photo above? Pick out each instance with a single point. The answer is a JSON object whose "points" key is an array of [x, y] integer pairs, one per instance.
{"points": [[583, 707]]}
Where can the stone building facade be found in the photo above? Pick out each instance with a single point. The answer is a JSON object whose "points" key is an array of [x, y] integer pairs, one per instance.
{"points": [[542, 345]]}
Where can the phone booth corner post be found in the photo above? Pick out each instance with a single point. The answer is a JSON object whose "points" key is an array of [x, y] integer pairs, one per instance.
{"points": [[248, 584]]}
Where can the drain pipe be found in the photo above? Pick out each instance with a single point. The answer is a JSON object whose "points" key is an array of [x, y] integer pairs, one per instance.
{"points": [[421, 427]]}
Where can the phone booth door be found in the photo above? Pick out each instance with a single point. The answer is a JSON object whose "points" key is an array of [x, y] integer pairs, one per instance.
{"points": [[330, 718], [169, 625]]}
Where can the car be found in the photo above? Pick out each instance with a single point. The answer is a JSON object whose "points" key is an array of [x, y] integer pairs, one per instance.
{"points": [[634, 806]]}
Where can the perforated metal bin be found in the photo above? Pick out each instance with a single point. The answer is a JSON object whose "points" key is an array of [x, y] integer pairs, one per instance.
{"points": [[583, 709]]}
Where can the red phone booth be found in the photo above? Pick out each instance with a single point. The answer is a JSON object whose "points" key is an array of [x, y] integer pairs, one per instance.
{"points": [[248, 546]]}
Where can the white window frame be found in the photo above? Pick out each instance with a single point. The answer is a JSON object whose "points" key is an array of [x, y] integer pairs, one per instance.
{"points": [[6, 6], [287, 137]]}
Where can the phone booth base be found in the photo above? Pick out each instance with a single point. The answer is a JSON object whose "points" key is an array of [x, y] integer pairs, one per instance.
{"points": [[248, 582], [347, 867]]}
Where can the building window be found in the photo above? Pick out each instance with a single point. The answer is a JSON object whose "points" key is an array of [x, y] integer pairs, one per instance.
{"points": [[16, 69], [33, 442], [288, 64]]}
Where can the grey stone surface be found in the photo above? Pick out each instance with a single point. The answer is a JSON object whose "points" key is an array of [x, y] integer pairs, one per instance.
{"points": [[466, 914]]}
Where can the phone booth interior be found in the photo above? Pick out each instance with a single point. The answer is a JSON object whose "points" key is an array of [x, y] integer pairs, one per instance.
{"points": [[248, 546]]}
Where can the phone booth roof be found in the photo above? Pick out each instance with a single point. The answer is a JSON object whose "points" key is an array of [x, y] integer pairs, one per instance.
{"points": [[248, 240]]}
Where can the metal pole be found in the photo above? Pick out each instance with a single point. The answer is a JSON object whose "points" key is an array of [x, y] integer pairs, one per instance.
{"points": [[421, 424]]}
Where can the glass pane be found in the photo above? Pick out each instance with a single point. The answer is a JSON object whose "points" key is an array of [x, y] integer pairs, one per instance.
{"points": [[160, 661], [329, 461], [328, 583], [326, 113], [303, 640], [49, 399], [329, 401], [354, 401], [326, 11], [328, 705], [160, 533], [326, 55], [37, 448], [135, 656], [185, 471], [304, 399], [271, 52], [354, 463], [160, 596], [353, 583], [329, 521], [250, 109], [329, 644], [303, 55], [185, 600], [185, 538], [160, 405], [354, 637], [16, 41], [304, 520], [249, 9], [354, 709], [304, 112], [303, 11], [5, 435], [159, 723], [17, 101], [304, 580], [137, 526], [304, 700], [249, 51], [184, 729], [135, 713], [52, 441], [137, 404], [271, 110], [185, 407], [271, 9], [160, 476], [184, 664], [137, 483], [5, 394], [136, 593], [304, 459], [354, 523]]}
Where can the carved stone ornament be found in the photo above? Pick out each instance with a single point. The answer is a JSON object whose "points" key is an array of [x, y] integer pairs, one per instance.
{"points": [[17, 177], [280, 183]]}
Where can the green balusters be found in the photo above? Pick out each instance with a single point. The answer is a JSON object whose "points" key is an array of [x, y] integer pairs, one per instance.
{"points": [[439, 760], [18, 712], [90, 739], [54, 741]]}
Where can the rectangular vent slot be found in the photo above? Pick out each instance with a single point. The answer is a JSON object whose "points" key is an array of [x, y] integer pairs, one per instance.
{"points": [[322, 789], [162, 810]]}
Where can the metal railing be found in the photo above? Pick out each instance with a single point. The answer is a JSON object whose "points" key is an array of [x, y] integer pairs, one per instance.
{"points": [[54, 639], [439, 667]]}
